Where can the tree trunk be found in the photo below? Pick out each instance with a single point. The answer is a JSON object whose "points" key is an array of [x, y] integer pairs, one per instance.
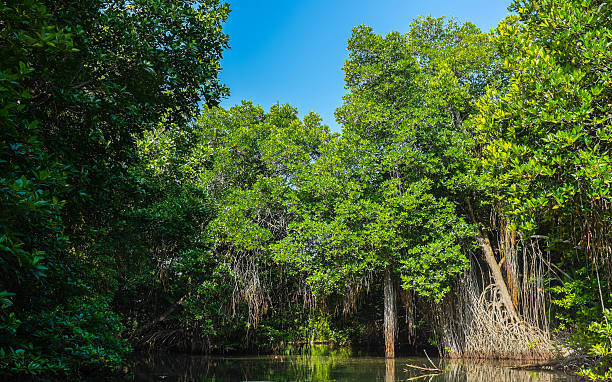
{"points": [[509, 252], [483, 239], [498, 278], [390, 316]]}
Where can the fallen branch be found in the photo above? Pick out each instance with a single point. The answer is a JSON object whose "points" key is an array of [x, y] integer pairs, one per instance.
{"points": [[436, 368], [421, 368], [423, 376]]}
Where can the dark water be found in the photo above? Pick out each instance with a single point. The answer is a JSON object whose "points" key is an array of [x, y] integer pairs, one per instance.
{"points": [[325, 368]]}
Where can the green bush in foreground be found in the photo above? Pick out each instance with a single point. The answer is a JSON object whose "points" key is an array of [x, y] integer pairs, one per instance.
{"points": [[78, 337]]}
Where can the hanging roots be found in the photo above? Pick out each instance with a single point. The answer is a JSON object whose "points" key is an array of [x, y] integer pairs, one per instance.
{"points": [[495, 334], [478, 326], [248, 288], [353, 291]]}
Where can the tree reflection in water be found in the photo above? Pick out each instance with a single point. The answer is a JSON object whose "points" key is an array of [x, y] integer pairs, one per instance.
{"points": [[320, 366]]}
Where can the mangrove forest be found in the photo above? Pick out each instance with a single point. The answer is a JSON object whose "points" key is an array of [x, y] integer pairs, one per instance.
{"points": [[464, 209]]}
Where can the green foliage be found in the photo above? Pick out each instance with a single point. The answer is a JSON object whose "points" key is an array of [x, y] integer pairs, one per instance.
{"points": [[80, 333], [580, 315], [214, 196], [254, 161], [378, 196], [577, 302], [225, 228], [75, 93], [547, 134], [31, 178], [600, 340], [318, 329], [546, 150]]}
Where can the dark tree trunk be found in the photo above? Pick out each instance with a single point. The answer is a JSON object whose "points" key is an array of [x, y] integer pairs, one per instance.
{"points": [[390, 316]]}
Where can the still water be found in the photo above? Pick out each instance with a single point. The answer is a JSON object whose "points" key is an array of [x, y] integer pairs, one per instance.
{"points": [[325, 368]]}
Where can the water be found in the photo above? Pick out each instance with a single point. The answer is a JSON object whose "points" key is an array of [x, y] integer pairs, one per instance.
{"points": [[180, 368]]}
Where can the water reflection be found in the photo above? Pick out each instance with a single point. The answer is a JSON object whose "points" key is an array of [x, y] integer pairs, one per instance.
{"points": [[478, 370], [332, 367], [389, 370]]}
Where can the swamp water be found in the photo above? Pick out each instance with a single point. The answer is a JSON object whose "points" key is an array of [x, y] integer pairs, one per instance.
{"points": [[181, 368]]}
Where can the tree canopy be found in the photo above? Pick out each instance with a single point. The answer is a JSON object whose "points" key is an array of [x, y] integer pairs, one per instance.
{"points": [[469, 187]]}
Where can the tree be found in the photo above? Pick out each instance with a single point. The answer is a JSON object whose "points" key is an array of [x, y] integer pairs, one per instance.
{"points": [[546, 139], [380, 204], [256, 161], [80, 82], [238, 170]]}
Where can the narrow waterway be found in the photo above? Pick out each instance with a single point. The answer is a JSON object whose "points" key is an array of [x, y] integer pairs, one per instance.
{"points": [[183, 368]]}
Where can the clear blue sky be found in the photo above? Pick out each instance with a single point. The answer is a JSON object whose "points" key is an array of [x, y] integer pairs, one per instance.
{"points": [[292, 51]]}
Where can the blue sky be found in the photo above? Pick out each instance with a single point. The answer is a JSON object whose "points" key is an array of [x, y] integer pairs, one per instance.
{"points": [[293, 51]]}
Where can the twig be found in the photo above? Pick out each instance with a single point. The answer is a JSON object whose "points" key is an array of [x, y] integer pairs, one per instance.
{"points": [[423, 376], [422, 368], [437, 367]]}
